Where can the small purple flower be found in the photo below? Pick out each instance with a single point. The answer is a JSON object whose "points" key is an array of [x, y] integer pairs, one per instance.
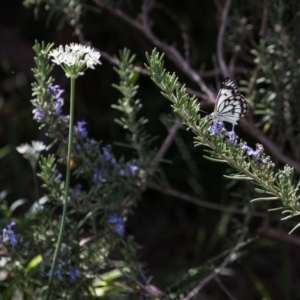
{"points": [[9, 235], [97, 177], [216, 127], [232, 136], [122, 173], [59, 102], [58, 177], [81, 128], [73, 274], [56, 91], [250, 151], [133, 169], [78, 148], [39, 114], [244, 146], [118, 223], [106, 153]]}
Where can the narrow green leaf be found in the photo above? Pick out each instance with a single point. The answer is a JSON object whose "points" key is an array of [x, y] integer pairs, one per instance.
{"points": [[214, 159], [275, 209], [238, 177], [294, 228], [16, 204], [264, 199]]}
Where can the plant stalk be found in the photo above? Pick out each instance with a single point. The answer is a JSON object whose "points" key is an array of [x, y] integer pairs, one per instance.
{"points": [[65, 206]]}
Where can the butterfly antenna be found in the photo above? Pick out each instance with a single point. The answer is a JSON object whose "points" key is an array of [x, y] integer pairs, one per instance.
{"points": [[203, 111]]}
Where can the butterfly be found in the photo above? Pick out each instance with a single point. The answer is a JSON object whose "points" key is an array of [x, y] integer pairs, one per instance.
{"points": [[230, 105]]}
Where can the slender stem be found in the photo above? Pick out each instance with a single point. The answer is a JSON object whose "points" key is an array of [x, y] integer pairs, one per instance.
{"points": [[64, 214], [35, 185]]}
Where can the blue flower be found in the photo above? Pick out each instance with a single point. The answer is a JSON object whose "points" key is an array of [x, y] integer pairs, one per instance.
{"points": [[56, 91], [59, 102], [232, 136], [58, 177], [244, 146], [106, 153], [122, 173], [73, 274], [78, 148], [39, 114], [9, 235], [97, 177], [118, 223], [133, 169], [216, 128], [250, 152], [81, 128]]}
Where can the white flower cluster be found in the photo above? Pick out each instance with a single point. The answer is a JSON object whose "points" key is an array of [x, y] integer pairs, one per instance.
{"points": [[32, 153], [75, 58]]}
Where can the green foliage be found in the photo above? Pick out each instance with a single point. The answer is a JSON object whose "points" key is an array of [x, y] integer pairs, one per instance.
{"points": [[130, 108], [259, 168], [106, 191]]}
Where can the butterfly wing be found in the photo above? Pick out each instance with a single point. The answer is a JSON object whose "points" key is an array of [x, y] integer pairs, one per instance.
{"points": [[233, 108], [230, 105], [228, 88]]}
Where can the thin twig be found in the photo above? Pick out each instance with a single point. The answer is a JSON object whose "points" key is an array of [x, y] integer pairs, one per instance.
{"points": [[230, 258], [223, 287], [172, 192], [220, 53], [279, 235], [165, 146], [171, 52], [182, 28], [217, 72]]}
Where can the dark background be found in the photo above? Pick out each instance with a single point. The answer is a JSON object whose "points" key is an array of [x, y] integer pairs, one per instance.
{"points": [[174, 235]]}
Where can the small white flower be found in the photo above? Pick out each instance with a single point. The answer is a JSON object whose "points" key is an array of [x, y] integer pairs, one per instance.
{"points": [[75, 58], [32, 153]]}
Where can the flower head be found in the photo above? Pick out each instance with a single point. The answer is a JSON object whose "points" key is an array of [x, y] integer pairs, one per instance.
{"points": [[75, 58], [8, 234], [133, 170], [232, 136], [81, 128], [56, 91], [217, 127], [32, 153], [57, 106], [39, 114], [118, 223], [106, 153], [73, 274]]}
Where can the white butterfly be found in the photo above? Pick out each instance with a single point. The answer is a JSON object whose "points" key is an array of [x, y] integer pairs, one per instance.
{"points": [[230, 104]]}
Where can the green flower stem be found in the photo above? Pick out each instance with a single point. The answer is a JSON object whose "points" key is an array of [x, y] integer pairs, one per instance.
{"points": [[64, 214]]}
